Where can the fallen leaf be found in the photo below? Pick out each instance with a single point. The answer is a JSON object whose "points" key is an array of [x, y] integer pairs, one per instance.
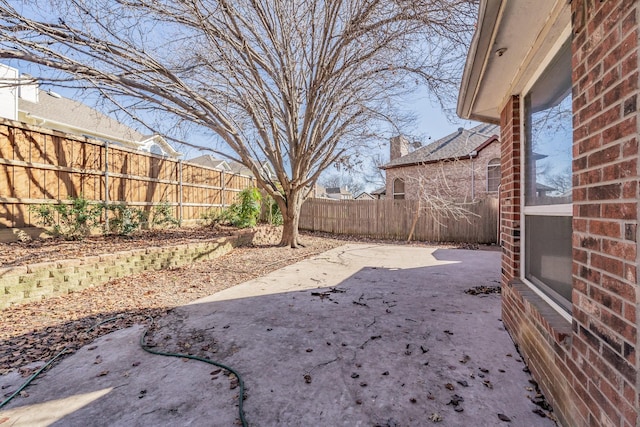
{"points": [[307, 378], [103, 373], [449, 386], [540, 412], [504, 418], [488, 384], [455, 400], [435, 417]]}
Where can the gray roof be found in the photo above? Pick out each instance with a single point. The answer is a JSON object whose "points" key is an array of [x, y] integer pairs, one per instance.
{"points": [[338, 190], [51, 106], [233, 166], [456, 145], [378, 191], [211, 162]]}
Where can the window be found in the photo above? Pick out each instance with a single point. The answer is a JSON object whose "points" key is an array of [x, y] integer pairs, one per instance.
{"points": [[547, 181], [398, 188], [493, 175]]}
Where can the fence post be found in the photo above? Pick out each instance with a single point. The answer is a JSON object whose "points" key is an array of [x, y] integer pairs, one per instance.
{"points": [[106, 184], [180, 201], [223, 186]]}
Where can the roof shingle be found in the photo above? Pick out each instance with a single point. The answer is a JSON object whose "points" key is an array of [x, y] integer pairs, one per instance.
{"points": [[456, 145]]}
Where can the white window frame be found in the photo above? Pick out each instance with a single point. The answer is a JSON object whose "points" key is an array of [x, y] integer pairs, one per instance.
{"points": [[393, 189], [499, 164], [546, 210]]}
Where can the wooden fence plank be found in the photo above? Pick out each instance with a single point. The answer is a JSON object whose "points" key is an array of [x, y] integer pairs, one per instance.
{"points": [[392, 219], [42, 166]]}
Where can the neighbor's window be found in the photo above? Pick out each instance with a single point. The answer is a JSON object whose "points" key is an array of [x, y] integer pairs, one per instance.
{"points": [[398, 189], [493, 175], [547, 182]]}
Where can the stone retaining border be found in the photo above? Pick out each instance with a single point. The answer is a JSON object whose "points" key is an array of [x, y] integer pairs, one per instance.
{"points": [[33, 282]]}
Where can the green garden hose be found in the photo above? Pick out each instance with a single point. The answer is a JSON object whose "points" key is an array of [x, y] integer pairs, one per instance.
{"points": [[149, 350], [32, 377], [202, 359], [64, 350]]}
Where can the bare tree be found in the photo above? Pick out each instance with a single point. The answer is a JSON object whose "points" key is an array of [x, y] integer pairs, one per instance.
{"points": [[439, 195], [299, 83]]}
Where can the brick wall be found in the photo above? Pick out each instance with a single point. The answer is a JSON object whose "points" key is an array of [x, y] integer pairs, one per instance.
{"points": [[589, 369], [605, 267], [34, 282], [451, 179], [510, 189]]}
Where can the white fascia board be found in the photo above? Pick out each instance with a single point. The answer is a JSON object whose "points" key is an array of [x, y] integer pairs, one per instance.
{"points": [[489, 14]]}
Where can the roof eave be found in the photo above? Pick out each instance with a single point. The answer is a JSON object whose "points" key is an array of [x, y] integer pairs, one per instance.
{"points": [[476, 63]]}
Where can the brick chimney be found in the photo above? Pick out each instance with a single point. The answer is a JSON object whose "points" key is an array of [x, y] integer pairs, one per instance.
{"points": [[399, 147]]}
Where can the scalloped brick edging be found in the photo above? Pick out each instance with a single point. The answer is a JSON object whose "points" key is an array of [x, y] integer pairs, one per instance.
{"points": [[22, 284]]}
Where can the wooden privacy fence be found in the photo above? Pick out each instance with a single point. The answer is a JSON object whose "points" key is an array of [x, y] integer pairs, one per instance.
{"points": [[392, 219], [43, 166]]}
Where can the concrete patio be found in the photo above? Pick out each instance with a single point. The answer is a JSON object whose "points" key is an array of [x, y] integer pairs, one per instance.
{"points": [[362, 335]]}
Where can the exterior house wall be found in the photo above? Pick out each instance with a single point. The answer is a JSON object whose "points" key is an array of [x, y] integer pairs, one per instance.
{"points": [[589, 368], [449, 178]]}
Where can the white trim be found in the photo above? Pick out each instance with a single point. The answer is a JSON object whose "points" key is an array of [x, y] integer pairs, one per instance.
{"points": [[564, 313], [549, 210], [562, 39], [546, 210]]}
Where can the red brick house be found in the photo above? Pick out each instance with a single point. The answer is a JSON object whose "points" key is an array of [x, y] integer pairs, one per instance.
{"points": [[562, 80], [464, 165]]}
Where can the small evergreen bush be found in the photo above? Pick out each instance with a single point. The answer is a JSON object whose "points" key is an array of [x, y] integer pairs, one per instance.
{"points": [[74, 221]]}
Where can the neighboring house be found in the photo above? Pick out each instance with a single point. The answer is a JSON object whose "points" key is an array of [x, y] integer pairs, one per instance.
{"points": [[209, 161], [333, 193], [364, 196], [338, 193], [379, 193], [562, 79], [464, 165], [29, 104], [232, 166]]}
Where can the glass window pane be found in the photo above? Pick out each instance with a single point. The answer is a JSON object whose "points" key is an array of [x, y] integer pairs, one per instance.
{"points": [[493, 175], [548, 256], [549, 135]]}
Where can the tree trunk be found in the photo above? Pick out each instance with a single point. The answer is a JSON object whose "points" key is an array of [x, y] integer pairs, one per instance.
{"points": [[291, 219]]}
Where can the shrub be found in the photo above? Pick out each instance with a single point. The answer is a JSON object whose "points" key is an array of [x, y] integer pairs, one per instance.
{"points": [[213, 216], [162, 216], [124, 220], [243, 214], [274, 215], [248, 210], [75, 220]]}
